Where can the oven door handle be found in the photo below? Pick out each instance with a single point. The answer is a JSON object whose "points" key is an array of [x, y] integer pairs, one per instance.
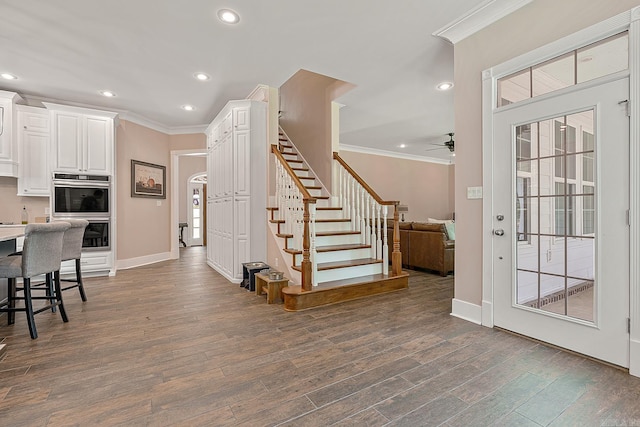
{"points": [[61, 183]]}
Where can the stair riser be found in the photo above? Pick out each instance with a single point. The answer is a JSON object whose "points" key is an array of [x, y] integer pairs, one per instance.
{"points": [[301, 174], [314, 192], [332, 226], [332, 214], [338, 240], [334, 256], [320, 214], [307, 180], [348, 272], [290, 156]]}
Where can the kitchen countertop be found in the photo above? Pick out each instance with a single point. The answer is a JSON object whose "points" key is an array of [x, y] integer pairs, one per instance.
{"points": [[10, 232]]}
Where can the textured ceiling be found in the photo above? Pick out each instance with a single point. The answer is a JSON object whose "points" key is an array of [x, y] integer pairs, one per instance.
{"points": [[147, 51]]}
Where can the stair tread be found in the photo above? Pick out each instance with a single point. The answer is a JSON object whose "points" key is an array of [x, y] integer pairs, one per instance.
{"points": [[276, 221], [313, 187], [331, 248], [336, 233], [284, 235], [343, 264], [319, 208], [294, 160], [301, 169], [333, 220]]}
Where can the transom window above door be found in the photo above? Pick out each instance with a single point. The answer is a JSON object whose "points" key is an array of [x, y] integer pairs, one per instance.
{"points": [[607, 56]]}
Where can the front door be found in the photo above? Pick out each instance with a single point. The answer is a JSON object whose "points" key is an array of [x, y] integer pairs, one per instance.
{"points": [[561, 236]]}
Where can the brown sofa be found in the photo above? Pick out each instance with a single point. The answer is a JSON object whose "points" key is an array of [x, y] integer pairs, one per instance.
{"points": [[424, 245]]}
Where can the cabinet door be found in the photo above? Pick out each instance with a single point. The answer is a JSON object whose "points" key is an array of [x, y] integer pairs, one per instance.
{"points": [[99, 145], [67, 138], [242, 163], [34, 178], [227, 165], [6, 144], [241, 119], [241, 229]]}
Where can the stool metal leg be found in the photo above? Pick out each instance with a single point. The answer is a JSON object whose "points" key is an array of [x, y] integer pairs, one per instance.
{"points": [[29, 308], [56, 282], [11, 302], [79, 280]]}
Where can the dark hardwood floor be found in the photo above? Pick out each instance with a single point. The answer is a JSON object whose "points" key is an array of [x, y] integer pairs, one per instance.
{"points": [[176, 344]]}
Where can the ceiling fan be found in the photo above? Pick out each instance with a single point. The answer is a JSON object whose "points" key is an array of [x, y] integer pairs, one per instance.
{"points": [[450, 144]]}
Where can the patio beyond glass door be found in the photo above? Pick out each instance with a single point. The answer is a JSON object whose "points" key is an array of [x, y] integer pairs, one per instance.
{"points": [[561, 238]]}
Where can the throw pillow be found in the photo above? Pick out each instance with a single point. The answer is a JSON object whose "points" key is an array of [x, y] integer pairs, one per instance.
{"points": [[451, 230]]}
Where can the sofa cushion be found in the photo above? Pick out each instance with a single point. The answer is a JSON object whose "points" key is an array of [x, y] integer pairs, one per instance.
{"points": [[451, 230], [427, 226]]}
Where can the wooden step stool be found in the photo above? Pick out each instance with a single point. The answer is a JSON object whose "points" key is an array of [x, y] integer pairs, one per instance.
{"points": [[272, 287]]}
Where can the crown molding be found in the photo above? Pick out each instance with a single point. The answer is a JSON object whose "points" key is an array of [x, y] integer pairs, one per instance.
{"points": [[478, 18], [377, 152]]}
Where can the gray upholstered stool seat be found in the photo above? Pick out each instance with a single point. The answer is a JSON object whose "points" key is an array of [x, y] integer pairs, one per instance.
{"points": [[72, 250], [41, 254]]}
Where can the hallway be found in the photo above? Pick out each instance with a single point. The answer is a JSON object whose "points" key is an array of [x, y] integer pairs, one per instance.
{"points": [[174, 343]]}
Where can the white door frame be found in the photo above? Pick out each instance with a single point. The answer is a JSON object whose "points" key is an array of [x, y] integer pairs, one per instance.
{"points": [[630, 21], [190, 207], [175, 196]]}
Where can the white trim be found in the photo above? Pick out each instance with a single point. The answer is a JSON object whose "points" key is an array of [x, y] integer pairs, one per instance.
{"points": [[125, 264], [627, 20], [466, 311], [634, 192], [377, 152], [80, 110], [478, 18], [175, 191]]}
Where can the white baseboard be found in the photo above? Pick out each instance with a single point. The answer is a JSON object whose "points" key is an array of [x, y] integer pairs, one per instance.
{"points": [[487, 313], [634, 358], [466, 311], [125, 264]]}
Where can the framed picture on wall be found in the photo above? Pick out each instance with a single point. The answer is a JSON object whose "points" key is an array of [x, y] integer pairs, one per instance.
{"points": [[148, 180]]}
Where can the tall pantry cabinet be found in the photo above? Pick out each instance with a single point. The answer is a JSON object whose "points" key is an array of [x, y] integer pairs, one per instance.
{"points": [[237, 187]]}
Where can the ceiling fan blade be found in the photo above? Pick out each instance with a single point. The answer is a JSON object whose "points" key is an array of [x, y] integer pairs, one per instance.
{"points": [[433, 149]]}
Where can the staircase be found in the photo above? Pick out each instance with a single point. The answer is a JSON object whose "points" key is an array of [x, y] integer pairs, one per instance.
{"points": [[334, 246]]}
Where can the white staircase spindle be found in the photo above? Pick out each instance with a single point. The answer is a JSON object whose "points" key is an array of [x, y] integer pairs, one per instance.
{"points": [[367, 232], [363, 227], [385, 247], [313, 253], [358, 198], [379, 236], [352, 201]]}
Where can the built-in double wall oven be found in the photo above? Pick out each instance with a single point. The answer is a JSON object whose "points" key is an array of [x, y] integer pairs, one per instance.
{"points": [[87, 197]]}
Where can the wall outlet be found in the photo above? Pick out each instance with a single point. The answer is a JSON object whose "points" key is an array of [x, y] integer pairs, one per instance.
{"points": [[47, 211], [276, 262]]}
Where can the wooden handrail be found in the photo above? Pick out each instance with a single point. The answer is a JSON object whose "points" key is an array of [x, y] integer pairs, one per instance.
{"points": [[306, 196], [305, 265], [396, 255], [361, 181]]}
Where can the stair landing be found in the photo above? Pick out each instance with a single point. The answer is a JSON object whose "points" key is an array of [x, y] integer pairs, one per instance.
{"points": [[342, 290]]}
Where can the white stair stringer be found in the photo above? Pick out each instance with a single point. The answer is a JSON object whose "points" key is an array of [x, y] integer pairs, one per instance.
{"points": [[284, 263]]}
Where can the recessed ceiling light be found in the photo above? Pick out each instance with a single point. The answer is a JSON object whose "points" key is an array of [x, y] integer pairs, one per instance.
{"points": [[188, 107], [228, 16], [107, 93], [201, 76], [403, 145], [444, 86], [8, 76]]}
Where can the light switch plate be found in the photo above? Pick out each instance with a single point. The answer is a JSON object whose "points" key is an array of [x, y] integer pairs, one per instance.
{"points": [[474, 192]]}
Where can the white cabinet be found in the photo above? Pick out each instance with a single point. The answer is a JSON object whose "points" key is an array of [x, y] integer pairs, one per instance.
{"points": [[8, 140], [83, 140], [237, 179], [34, 144]]}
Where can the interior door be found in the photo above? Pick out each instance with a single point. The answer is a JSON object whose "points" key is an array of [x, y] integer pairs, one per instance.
{"points": [[560, 218]]}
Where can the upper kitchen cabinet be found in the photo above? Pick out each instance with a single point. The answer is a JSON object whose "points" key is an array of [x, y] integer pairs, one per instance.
{"points": [[34, 145], [8, 140], [82, 140]]}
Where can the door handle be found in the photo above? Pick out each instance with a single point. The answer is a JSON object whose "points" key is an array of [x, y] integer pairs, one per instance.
{"points": [[498, 232]]}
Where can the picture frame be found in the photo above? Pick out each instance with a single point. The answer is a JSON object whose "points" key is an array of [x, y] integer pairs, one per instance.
{"points": [[148, 180]]}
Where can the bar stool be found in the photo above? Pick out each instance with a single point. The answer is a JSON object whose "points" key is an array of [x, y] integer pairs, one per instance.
{"points": [[72, 250], [41, 254]]}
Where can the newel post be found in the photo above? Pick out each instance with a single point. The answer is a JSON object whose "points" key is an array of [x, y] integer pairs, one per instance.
{"points": [[396, 256], [306, 262]]}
